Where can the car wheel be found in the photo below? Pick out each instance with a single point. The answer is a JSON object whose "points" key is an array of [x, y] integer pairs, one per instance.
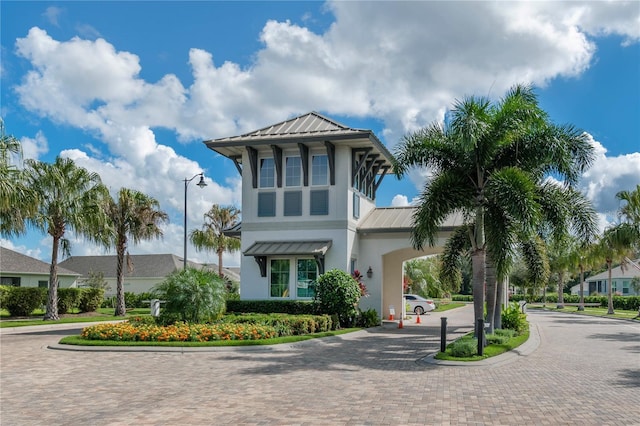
{"points": [[418, 310]]}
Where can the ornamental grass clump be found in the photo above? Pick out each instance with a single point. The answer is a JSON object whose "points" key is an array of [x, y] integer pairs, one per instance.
{"points": [[179, 332]]}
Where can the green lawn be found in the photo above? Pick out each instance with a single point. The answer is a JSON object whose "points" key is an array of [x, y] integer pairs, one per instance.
{"points": [[103, 314], [489, 350], [451, 305], [597, 312]]}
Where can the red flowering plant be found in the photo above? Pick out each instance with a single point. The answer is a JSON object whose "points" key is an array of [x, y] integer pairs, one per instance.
{"points": [[363, 288]]}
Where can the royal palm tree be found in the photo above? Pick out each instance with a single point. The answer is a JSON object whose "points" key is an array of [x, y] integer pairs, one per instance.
{"points": [[211, 236], [17, 200], [490, 154], [616, 244], [133, 217], [69, 198]]}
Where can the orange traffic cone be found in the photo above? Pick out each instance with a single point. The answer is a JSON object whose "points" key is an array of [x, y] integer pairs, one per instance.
{"points": [[400, 325], [418, 319], [390, 317]]}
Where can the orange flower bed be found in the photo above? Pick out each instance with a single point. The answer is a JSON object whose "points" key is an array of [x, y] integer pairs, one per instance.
{"points": [[129, 332]]}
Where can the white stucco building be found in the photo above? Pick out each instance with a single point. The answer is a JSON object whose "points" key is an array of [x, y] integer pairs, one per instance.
{"points": [[308, 206]]}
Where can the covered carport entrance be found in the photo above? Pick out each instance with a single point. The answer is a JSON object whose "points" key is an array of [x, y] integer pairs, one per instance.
{"points": [[384, 243]]}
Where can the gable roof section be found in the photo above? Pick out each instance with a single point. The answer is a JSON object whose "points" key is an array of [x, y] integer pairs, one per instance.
{"points": [[144, 265], [307, 128], [12, 262], [399, 219], [616, 273]]}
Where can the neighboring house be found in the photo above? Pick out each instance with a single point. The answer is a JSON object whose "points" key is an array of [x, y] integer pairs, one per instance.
{"points": [[20, 270], [148, 270], [308, 205], [623, 283]]}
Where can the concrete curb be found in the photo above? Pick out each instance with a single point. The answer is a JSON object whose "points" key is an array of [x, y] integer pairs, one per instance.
{"points": [[527, 348]]}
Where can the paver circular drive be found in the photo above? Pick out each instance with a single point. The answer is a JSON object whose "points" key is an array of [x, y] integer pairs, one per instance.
{"points": [[585, 371]]}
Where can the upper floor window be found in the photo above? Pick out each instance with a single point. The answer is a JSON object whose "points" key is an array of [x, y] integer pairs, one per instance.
{"points": [[267, 173], [293, 171], [319, 170]]}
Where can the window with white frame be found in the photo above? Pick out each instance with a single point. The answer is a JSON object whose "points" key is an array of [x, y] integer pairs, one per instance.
{"points": [[267, 173], [293, 171], [307, 273], [279, 278], [319, 170]]}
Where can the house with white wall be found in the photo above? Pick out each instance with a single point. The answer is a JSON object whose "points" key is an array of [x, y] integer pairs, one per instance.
{"points": [[309, 205], [19, 270], [622, 281], [147, 270]]}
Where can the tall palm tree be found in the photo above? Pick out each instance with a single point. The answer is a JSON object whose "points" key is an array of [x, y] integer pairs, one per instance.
{"points": [[581, 256], [630, 212], [133, 216], [490, 154], [616, 244], [211, 236], [70, 198], [17, 200]]}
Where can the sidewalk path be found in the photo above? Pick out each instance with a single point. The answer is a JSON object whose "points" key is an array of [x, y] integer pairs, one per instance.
{"points": [[585, 371]]}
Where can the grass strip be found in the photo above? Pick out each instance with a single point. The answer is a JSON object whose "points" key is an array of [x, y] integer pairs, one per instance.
{"points": [[79, 341], [101, 316], [448, 306]]}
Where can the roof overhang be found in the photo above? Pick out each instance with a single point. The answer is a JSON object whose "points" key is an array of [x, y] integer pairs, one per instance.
{"points": [[261, 249]]}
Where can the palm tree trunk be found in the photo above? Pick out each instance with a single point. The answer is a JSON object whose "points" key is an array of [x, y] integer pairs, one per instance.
{"points": [[581, 304], [609, 292], [478, 265], [497, 316], [121, 307], [52, 298], [560, 304], [491, 294]]}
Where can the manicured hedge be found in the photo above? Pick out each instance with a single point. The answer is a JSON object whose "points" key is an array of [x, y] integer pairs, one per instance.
{"points": [[629, 303], [22, 301], [293, 307], [286, 324]]}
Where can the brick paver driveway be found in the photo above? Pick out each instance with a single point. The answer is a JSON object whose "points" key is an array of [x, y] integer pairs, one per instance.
{"points": [[585, 371]]}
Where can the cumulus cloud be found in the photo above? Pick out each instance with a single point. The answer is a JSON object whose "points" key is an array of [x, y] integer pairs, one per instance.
{"points": [[34, 147], [399, 62], [52, 14]]}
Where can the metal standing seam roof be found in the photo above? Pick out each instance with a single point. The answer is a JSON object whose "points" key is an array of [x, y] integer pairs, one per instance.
{"points": [[287, 248], [310, 127], [12, 262], [399, 219]]}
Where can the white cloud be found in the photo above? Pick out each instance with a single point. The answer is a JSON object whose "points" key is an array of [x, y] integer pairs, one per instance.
{"points": [[34, 147], [52, 14], [35, 253], [400, 200], [608, 176], [400, 62]]}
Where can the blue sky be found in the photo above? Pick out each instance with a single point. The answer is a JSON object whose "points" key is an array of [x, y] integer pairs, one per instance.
{"points": [[130, 90]]}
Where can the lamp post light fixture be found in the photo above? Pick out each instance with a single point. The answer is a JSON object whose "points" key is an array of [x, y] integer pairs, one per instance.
{"points": [[201, 184]]}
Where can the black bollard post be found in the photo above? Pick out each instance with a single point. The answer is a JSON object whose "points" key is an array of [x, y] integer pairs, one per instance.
{"points": [[443, 334], [480, 333]]}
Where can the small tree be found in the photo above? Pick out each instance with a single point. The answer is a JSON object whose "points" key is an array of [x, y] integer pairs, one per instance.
{"points": [[96, 280], [338, 293], [192, 295]]}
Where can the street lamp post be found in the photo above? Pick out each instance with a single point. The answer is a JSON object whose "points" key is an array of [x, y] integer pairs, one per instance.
{"points": [[201, 184]]}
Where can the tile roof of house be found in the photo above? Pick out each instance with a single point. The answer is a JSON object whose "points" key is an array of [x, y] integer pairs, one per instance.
{"points": [[310, 127], [144, 265], [18, 263]]}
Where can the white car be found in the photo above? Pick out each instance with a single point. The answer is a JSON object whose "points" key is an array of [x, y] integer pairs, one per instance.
{"points": [[418, 304]]}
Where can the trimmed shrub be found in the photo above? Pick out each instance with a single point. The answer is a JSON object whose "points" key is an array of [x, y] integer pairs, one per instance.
{"points": [[505, 332], [464, 348], [90, 299], [4, 292], [338, 293], [286, 325], [68, 299], [462, 298], [22, 301], [496, 339]]}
